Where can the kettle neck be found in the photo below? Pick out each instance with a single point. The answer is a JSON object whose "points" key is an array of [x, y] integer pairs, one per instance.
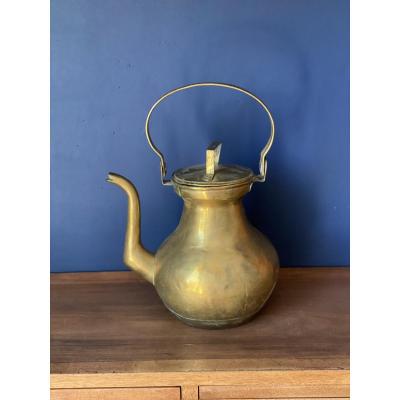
{"points": [[213, 222], [213, 214]]}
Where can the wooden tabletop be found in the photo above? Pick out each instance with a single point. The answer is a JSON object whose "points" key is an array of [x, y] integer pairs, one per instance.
{"points": [[114, 322]]}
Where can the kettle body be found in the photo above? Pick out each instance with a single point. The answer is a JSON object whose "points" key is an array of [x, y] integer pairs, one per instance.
{"points": [[215, 270]]}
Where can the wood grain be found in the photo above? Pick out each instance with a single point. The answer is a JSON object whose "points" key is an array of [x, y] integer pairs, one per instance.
{"points": [[190, 392], [249, 378], [114, 323], [116, 394], [272, 391]]}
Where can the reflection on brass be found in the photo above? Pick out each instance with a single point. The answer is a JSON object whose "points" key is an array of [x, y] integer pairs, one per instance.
{"points": [[215, 270]]}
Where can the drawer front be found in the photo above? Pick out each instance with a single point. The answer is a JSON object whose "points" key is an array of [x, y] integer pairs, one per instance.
{"points": [[160, 393], [273, 392]]}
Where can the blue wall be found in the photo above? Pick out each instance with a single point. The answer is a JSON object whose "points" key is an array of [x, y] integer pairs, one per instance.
{"points": [[111, 59]]}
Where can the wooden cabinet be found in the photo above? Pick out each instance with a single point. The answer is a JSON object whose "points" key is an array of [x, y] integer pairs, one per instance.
{"points": [[111, 338], [166, 393], [263, 391]]}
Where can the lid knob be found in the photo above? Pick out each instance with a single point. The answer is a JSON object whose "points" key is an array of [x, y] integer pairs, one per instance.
{"points": [[212, 158]]}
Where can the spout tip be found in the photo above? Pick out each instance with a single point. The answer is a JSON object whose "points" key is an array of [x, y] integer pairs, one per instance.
{"points": [[111, 177], [118, 180]]}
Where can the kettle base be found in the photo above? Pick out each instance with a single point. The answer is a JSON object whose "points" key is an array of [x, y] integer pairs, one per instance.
{"points": [[220, 323], [215, 324]]}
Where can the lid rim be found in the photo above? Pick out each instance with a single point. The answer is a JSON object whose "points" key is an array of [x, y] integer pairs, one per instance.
{"points": [[229, 175]]}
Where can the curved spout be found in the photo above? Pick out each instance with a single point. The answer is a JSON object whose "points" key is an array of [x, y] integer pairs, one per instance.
{"points": [[136, 256]]}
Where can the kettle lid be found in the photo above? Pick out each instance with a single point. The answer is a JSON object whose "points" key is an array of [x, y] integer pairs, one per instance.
{"points": [[225, 175], [212, 173]]}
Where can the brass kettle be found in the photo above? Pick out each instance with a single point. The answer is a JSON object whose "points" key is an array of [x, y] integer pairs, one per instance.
{"points": [[215, 270]]}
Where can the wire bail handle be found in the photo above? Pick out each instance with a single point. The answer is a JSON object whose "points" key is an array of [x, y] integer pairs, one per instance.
{"points": [[264, 151]]}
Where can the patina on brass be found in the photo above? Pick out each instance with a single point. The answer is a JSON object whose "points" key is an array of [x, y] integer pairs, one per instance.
{"points": [[215, 270]]}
